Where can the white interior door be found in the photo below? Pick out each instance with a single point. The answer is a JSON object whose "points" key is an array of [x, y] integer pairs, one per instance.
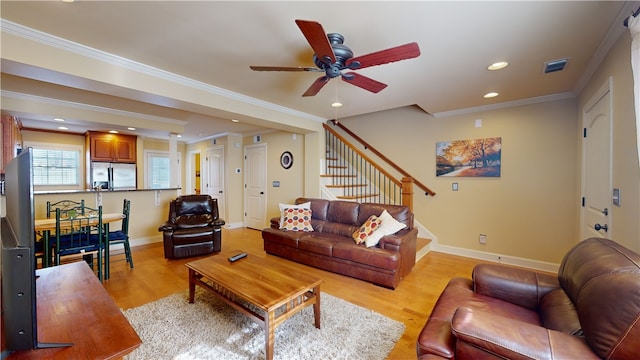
{"points": [[191, 165], [214, 183], [596, 170], [255, 185]]}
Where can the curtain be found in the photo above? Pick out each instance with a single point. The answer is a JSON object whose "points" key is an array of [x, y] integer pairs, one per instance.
{"points": [[634, 28]]}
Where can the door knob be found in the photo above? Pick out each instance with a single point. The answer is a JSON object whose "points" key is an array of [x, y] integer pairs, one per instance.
{"points": [[599, 227], [605, 211]]}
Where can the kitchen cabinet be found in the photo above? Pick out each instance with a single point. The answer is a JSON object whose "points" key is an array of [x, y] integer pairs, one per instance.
{"points": [[111, 147], [11, 140]]}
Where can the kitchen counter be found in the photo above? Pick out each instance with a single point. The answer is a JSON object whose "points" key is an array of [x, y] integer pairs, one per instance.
{"points": [[91, 191]]}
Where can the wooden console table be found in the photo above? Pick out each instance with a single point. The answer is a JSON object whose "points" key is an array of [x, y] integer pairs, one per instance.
{"points": [[74, 307]]}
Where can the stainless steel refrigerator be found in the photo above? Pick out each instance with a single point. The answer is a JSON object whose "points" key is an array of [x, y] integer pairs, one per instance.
{"points": [[113, 176]]}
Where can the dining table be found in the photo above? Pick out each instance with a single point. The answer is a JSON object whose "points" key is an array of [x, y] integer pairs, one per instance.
{"points": [[47, 225]]}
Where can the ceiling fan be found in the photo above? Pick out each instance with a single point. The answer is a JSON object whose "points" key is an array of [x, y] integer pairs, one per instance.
{"points": [[332, 57]]}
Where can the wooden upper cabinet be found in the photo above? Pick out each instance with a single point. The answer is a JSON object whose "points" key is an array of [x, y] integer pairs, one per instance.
{"points": [[11, 139], [111, 147]]}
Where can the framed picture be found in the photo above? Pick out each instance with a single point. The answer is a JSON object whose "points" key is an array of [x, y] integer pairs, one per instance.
{"points": [[469, 158], [286, 159]]}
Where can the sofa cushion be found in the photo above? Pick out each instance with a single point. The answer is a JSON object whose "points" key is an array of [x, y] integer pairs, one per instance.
{"points": [[193, 204], [318, 206], [558, 313], [187, 236], [436, 337], [344, 212], [375, 257], [321, 243], [296, 219], [193, 221], [368, 228], [284, 238], [601, 277]]}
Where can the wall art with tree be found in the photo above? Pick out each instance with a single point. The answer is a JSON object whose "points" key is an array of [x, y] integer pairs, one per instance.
{"points": [[469, 158]]}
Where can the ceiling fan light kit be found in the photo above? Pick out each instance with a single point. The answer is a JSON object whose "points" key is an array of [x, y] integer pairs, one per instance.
{"points": [[332, 57]]}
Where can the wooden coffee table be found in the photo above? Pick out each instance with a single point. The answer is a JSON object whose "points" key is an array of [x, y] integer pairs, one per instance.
{"points": [[275, 288]]}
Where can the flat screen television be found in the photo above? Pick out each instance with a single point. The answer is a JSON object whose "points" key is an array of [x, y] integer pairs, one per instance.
{"points": [[18, 258]]}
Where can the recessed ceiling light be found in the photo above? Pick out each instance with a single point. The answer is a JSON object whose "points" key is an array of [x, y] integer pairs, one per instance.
{"points": [[490, 95], [58, 119], [113, 131], [131, 128], [179, 135], [336, 104], [235, 120], [498, 65], [63, 128]]}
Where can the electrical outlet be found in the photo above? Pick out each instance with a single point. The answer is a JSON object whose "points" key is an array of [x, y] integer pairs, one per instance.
{"points": [[483, 239]]}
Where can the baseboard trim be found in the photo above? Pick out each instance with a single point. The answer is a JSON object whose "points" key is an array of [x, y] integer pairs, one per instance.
{"points": [[497, 258], [234, 225], [145, 240]]}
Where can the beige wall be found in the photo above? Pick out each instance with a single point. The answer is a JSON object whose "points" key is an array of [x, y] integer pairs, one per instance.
{"points": [[528, 212], [626, 176]]}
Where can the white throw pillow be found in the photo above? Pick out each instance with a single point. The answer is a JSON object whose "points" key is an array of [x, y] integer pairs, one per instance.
{"points": [[305, 206], [388, 226]]}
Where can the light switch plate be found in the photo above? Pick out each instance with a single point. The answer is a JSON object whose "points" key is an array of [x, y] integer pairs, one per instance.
{"points": [[454, 186]]}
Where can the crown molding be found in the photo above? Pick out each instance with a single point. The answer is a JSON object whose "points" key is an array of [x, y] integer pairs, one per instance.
{"points": [[79, 106], [86, 51], [507, 104]]}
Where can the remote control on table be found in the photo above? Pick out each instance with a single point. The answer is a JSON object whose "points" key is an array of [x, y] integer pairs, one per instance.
{"points": [[237, 257]]}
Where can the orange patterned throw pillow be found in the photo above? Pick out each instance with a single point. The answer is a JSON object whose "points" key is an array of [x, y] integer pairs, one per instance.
{"points": [[296, 219], [369, 226]]}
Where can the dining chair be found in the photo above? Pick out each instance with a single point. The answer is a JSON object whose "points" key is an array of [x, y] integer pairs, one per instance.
{"points": [[79, 234], [65, 206], [122, 236]]}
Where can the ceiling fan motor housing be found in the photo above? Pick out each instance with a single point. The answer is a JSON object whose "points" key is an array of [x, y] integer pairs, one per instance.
{"points": [[341, 52]]}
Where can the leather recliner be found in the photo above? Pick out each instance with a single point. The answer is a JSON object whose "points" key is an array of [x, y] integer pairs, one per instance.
{"points": [[194, 227], [590, 310]]}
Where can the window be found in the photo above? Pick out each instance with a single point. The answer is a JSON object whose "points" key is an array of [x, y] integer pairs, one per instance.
{"points": [[158, 172], [55, 165]]}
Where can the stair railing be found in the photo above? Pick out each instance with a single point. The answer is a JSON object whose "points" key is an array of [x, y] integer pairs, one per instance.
{"points": [[360, 177], [428, 192]]}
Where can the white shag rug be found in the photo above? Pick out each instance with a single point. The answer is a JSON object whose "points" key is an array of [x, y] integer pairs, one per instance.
{"points": [[171, 328]]}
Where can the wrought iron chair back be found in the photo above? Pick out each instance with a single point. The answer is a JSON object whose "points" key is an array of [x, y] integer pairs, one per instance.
{"points": [[79, 230], [65, 206]]}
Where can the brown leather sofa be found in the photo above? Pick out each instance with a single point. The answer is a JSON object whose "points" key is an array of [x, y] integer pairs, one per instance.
{"points": [[331, 247], [591, 310], [194, 227]]}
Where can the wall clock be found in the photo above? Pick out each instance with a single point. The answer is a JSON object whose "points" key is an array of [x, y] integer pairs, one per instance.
{"points": [[286, 159]]}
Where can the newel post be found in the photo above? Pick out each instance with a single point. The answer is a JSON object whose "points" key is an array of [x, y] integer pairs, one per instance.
{"points": [[407, 192]]}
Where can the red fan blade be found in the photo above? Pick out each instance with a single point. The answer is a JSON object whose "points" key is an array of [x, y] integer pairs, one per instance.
{"points": [[363, 82], [316, 86], [284, 68], [317, 38], [402, 52]]}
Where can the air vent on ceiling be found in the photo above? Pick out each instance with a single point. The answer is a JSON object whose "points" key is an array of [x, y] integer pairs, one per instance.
{"points": [[555, 65]]}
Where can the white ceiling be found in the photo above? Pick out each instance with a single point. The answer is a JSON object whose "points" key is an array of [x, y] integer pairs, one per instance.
{"points": [[215, 42]]}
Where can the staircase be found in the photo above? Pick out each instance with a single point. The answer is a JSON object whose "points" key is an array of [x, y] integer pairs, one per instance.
{"points": [[346, 182], [351, 175]]}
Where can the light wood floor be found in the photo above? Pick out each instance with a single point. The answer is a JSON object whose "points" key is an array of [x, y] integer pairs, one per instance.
{"points": [[411, 302]]}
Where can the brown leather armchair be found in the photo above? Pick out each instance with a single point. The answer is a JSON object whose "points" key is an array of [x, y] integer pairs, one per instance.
{"points": [[590, 310], [194, 227]]}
